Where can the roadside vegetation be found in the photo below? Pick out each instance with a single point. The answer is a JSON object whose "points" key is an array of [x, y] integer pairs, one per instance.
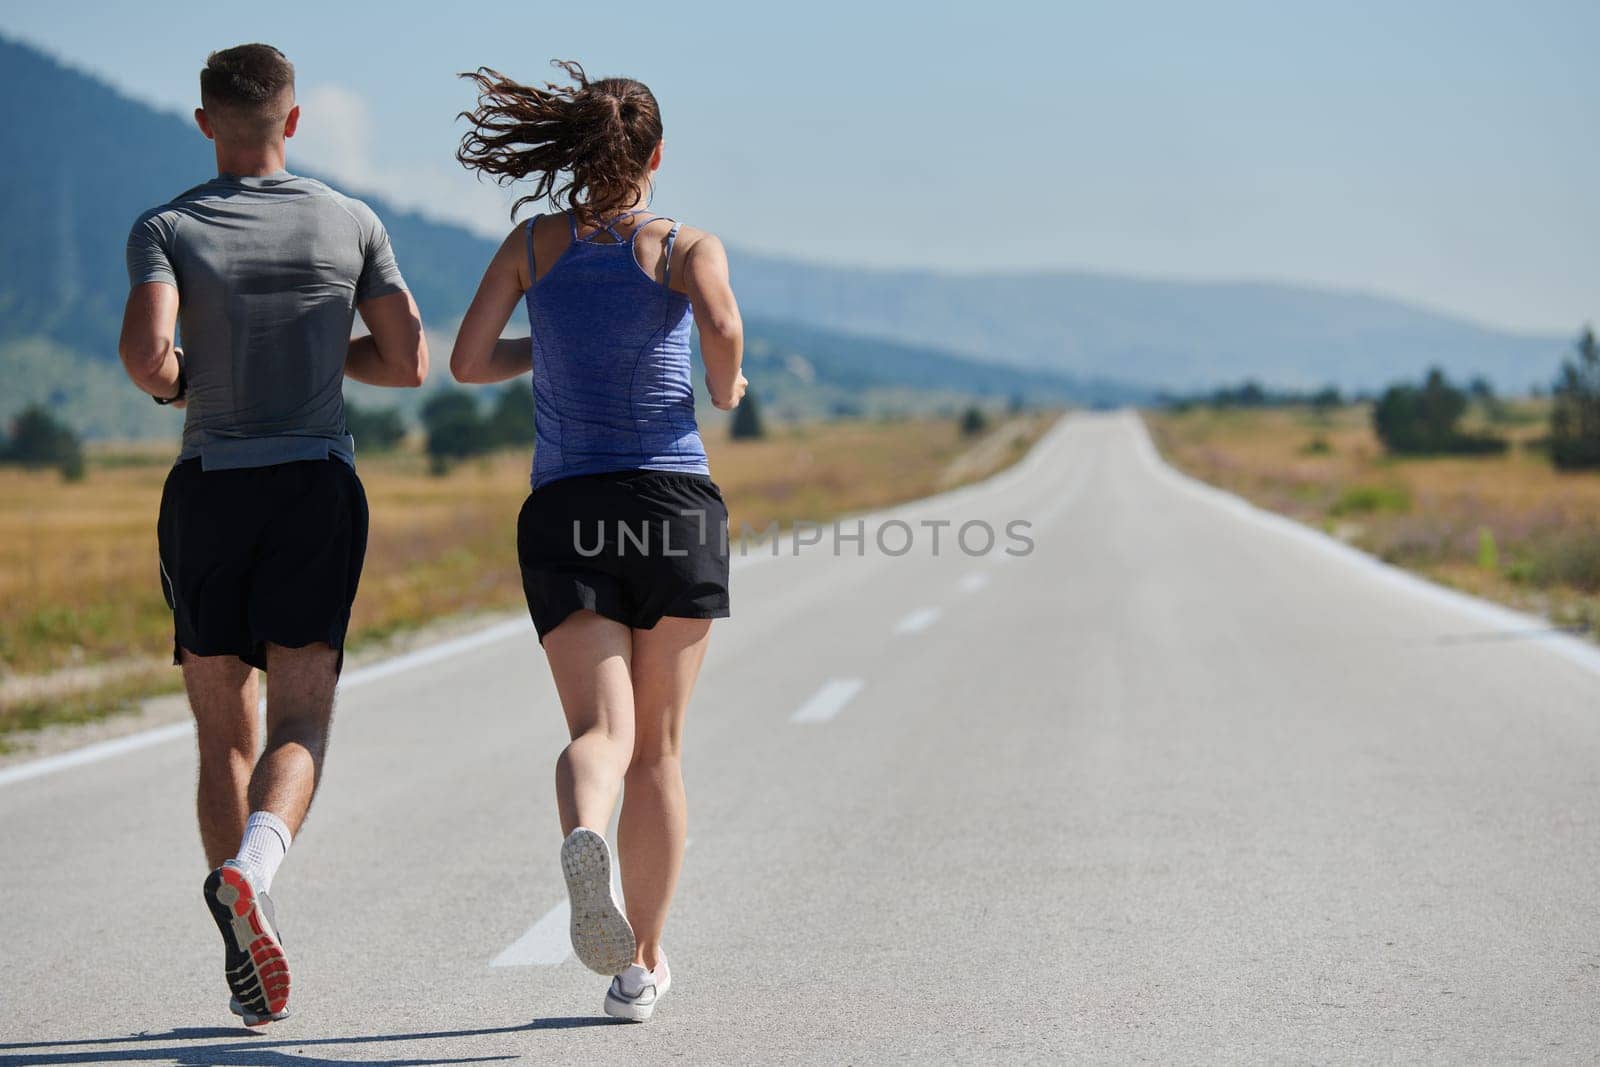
{"points": [[1496, 496], [84, 631], [38, 440]]}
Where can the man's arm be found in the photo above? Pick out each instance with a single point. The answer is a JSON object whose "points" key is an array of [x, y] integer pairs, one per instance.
{"points": [[395, 352], [147, 348]]}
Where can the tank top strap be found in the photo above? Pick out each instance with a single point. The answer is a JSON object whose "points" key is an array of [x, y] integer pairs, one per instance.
{"points": [[609, 226], [533, 272], [672, 239], [640, 225]]}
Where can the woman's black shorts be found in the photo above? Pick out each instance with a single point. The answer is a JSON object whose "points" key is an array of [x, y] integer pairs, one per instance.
{"points": [[261, 555], [635, 546]]}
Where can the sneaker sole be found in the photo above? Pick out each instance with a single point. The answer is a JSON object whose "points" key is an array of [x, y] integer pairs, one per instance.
{"points": [[252, 1020], [601, 937], [255, 965]]}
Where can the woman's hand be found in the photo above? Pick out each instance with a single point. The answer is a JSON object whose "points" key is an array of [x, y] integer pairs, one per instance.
{"points": [[740, 384]]}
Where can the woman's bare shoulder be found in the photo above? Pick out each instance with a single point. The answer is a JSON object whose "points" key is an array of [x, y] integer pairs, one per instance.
{"points": [[691, 238]]}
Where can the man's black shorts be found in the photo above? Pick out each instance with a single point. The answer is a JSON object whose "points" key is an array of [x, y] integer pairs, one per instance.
{"points": [[635, 546], [262, 554]]}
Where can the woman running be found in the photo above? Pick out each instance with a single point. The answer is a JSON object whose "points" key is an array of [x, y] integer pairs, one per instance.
{"points": [[623, 541]]}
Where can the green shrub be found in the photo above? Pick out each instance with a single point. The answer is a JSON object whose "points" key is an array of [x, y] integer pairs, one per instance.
{"points": [[747, 424], [1370, 500], [973, 421], [39, 439], [375, 429], [1317, 446], [455, 429], [1488, 551], [511, 422]]}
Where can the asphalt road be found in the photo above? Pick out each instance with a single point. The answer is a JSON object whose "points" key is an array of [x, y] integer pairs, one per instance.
{"points": [[1183, 783]]}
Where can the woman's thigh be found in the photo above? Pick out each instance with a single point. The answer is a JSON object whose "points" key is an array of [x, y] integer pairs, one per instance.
{"points": [[666, 662], [590, 657]]}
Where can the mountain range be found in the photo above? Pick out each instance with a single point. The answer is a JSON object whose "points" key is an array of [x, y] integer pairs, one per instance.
{"points": [[84, 160]]}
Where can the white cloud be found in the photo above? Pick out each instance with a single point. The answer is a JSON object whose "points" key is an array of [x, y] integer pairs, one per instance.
{"points": [[336, 133], [337, 137]]}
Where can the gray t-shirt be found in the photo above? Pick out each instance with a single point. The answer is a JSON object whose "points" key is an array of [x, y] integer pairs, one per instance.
{"points": [[269, 272]]}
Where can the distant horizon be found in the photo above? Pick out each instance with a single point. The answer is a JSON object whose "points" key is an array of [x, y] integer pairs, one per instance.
{"points": [[1479, 213]]}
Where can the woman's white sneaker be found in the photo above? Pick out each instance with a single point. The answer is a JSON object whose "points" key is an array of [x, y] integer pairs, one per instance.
{"points": [[601, 937], [635, 992]]}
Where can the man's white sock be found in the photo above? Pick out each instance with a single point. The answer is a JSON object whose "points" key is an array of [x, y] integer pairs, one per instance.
{"points": [[266, 842]]}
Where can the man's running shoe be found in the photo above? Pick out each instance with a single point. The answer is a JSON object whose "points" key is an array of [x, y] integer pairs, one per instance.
{"points": [[254, 963], [635, 992], [252, 1019], [601, 937]]}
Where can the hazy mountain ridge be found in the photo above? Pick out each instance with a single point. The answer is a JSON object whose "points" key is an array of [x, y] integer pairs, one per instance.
{"points": [[1159, 334]]}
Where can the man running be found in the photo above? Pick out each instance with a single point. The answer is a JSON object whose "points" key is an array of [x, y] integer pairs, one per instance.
{"points": [[263, 524]]}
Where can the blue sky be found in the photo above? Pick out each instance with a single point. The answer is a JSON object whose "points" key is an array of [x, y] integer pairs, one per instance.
{"points": [[1442, 152]]}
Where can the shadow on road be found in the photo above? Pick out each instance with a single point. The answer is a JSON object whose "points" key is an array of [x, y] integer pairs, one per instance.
{"points": [[240, 1048]]}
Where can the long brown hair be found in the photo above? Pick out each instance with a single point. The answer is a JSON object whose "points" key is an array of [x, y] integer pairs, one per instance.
{"points": [[587, 144]]}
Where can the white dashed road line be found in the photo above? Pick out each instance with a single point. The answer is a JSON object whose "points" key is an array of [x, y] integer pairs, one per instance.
{"points": [[918, 621], [828, 701], [548, 942]]}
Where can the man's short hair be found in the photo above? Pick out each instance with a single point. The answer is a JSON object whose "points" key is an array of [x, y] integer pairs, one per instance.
{"points": [[248, 79]]}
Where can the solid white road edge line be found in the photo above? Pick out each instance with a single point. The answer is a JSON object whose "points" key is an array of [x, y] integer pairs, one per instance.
{"points": [[360, 676], [101, 750], [828, 701], [1501, 618]]}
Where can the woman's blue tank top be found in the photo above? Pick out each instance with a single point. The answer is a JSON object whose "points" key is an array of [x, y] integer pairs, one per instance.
{"points": [[612, 388]]}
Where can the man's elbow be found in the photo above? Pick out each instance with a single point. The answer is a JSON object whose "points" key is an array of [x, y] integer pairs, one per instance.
{"points": [[419, 364], [143, 359], [405, 361]]}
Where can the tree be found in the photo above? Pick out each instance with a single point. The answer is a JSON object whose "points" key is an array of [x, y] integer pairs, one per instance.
{"points": [[39, 439], [375, 429], [973, 421], [1420, 420], [747, 424], [455, 429], [1248, 394], [511, 422], [1575, 409], [1326, 399], [1483, 394]]}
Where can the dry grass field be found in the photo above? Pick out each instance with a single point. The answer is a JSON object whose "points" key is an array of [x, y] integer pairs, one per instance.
{"points": [[1506, 527], [84, 630]]}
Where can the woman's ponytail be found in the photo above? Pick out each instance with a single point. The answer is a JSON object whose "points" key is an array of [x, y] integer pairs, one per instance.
{"points": [[586, 144]]}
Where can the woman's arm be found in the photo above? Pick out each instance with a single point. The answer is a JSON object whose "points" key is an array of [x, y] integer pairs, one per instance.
{"points": [[479, 355], [716, 313]]}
